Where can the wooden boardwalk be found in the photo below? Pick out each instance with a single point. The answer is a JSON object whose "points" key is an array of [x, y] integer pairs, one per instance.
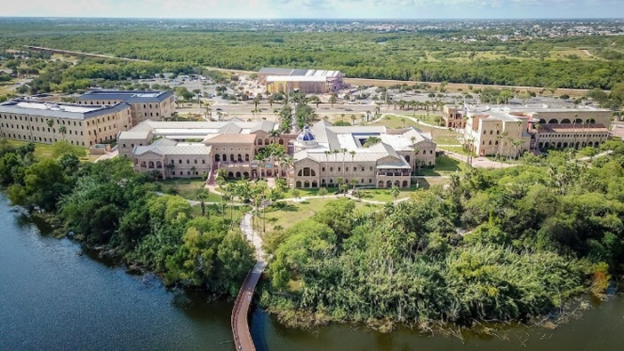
{"points": [[240, 324]]}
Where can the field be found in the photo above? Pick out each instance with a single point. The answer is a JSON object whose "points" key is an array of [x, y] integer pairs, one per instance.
{"points": [[445, 166], [289, 213], [439, 135], [187, 188], [385, 196]]}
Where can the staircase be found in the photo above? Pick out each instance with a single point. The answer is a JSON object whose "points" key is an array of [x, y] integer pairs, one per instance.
{"points": [[213, 175]]}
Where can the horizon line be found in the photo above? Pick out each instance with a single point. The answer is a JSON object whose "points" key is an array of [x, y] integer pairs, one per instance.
{"points": [[321, 18]]}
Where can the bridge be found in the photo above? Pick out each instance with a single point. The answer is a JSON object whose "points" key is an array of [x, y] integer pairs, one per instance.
{"points": [[240, 324]]}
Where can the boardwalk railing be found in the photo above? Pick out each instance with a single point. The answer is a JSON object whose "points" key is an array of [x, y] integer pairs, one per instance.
{"points": [[236, 315]]}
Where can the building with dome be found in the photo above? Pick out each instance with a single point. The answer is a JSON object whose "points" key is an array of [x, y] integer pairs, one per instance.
{"points": [[369, 156], [321, 155]]}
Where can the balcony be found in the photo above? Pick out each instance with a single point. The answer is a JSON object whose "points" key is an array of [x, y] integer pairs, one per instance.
{"points": [[394, 174]]}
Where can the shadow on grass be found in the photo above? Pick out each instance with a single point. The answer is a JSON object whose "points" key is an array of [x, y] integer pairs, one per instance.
{"points": [[286, 207]]}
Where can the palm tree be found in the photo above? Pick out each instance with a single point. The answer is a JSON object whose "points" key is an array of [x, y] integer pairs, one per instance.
{"points": [[169, 167], [354, 183], [332, 100], [353, 119], [344, 151], [394, 191], [50, 123], [335, 152], [274, 133], [573, 127], [63, 130], [327, 152], [202, 195]]}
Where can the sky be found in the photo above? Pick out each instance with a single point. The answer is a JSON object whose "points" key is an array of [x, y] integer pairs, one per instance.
{"points": [[356, 9]]}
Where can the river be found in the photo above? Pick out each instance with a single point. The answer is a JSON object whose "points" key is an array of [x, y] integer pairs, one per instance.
{"points": [[52, 298]]}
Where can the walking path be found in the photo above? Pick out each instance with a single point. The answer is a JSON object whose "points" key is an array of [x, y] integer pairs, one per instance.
{"points": [[479, 162], [589, 158], [108, 156]]}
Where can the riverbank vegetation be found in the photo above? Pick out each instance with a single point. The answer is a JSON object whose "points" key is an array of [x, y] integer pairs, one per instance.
{"points": [[108, 206], [511, 244]]}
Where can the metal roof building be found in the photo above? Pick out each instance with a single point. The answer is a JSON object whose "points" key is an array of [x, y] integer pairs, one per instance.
{"points": [[58, 110], [129, 96]]}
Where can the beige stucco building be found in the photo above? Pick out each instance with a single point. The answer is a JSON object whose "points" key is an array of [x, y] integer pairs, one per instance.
{"points": [[508, 132], [326, 155], [322, 155], [44, 122], [208, 146], [144, 105], [284, 80]]}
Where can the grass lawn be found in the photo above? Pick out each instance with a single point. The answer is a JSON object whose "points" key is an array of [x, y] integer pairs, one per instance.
{"points": [[444, 166], [41, 150], [456, 149], [309, 192], [186, 188], [395, 122], [215, 210], [384, 194], [289, 213]]}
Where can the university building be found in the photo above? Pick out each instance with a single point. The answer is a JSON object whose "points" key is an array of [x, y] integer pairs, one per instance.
{"points": [[45, 122], [509, 131], [144, 105], [325, 155], [285, 80], [322, 155]]}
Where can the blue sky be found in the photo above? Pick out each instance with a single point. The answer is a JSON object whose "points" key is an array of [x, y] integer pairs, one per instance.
{"points": [[269, 9]]}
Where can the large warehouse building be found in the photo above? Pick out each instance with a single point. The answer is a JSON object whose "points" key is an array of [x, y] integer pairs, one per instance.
{"points": [[283, 80]]}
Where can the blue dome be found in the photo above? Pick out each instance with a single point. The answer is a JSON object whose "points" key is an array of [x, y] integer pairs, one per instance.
{"points": [[306, 135]]}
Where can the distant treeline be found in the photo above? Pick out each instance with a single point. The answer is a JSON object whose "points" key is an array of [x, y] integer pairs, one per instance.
{"points": [[420, 57]]}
